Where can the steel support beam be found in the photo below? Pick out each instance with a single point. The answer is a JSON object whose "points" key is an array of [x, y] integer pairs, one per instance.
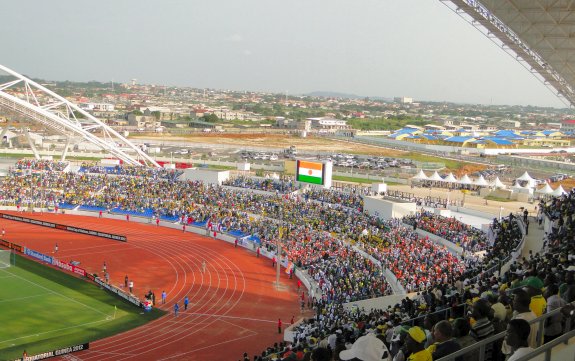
{"points": [[40, 104]]}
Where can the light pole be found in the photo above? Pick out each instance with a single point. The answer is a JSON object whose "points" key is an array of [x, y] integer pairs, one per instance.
{"points": [[500, 213], [279, 248]]}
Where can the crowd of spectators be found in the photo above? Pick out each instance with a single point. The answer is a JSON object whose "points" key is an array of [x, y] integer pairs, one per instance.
{"points": [[351, 199], [461, 312], [469, 238], [153, 173], [471, 309], [326, 240], [315, 232], [41, 164], [263, 184]]}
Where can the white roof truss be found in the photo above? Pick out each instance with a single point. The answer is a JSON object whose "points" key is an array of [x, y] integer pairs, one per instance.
{"points": [[42, 105]]}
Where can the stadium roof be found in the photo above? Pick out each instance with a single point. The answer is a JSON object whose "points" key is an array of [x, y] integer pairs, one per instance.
{"points": [[538, 33]]}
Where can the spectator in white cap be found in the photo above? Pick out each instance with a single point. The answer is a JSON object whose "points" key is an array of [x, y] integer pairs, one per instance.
{"points": [[366, 348]]}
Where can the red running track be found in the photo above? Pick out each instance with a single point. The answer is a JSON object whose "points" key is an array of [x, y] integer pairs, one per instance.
{"points": [[234, 305]]}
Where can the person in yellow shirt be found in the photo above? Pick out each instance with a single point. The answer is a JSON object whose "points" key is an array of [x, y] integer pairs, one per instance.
{"points": [[415, 343], [533, 286], [538, 305]]}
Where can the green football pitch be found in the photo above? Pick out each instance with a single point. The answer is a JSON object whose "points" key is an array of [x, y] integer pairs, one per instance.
{"points": [[43, 309]]}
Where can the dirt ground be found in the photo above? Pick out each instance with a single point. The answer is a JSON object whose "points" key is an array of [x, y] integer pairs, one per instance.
{"points": [[279, 141]]}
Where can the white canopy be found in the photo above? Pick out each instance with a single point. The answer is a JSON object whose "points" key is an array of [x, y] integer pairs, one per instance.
{"points": [[481, 181], [435, 177], [420, 176], [525, 177], [498, 184], [450, 178], [465, 180], [545, 190], [558, 191]]}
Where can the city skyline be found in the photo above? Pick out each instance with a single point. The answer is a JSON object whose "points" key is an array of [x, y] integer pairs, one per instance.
{"points": [[384, 48]]}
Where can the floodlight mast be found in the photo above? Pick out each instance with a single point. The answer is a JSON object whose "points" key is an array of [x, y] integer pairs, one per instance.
{"points": [[51, 110]]}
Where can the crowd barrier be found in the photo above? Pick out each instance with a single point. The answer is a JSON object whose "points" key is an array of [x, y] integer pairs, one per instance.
{"points": [[63, 227], [55, 353]]}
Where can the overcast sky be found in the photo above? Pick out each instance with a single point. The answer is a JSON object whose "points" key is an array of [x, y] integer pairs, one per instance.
{"points": [[415, 48]]}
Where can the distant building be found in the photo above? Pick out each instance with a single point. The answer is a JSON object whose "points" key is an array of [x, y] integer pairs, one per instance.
{"points": [[100, 107], [513, 123], [403, 100], [164, 113], [143, 121], [568, 124], [330, 125]]}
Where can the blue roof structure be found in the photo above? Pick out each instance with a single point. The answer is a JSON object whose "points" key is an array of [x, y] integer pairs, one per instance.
{"points": [[499, 141], [403, 131], [460, 139], [429, 137], [548, 132], [506, 133]]}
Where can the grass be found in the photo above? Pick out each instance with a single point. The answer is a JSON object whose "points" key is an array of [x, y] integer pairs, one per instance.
{"points": [[449, 163], [352, 179], [497, 199], [221, 167], [50, 309], [360, 180]]}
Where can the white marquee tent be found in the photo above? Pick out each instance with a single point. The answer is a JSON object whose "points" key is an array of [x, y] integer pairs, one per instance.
{"points": [[558, 191], [497, 184], [420, 176], [527, 178], [465, 180], [481, 182], [545, 190], [435, 177], [450, 178]]}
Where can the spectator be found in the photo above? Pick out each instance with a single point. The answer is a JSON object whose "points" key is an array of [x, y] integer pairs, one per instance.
{"points": [[517, 337], [365, 348], [444, 342], [415, 343]]}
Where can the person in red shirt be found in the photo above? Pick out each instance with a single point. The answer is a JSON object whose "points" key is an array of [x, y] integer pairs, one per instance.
{"points": [[279, 325]]}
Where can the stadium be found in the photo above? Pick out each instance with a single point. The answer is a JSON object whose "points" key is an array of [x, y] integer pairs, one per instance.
{"points": [[125, 260]]}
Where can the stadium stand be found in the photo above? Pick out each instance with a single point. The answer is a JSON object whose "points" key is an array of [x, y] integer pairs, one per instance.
{"points": [[328, 237]]}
